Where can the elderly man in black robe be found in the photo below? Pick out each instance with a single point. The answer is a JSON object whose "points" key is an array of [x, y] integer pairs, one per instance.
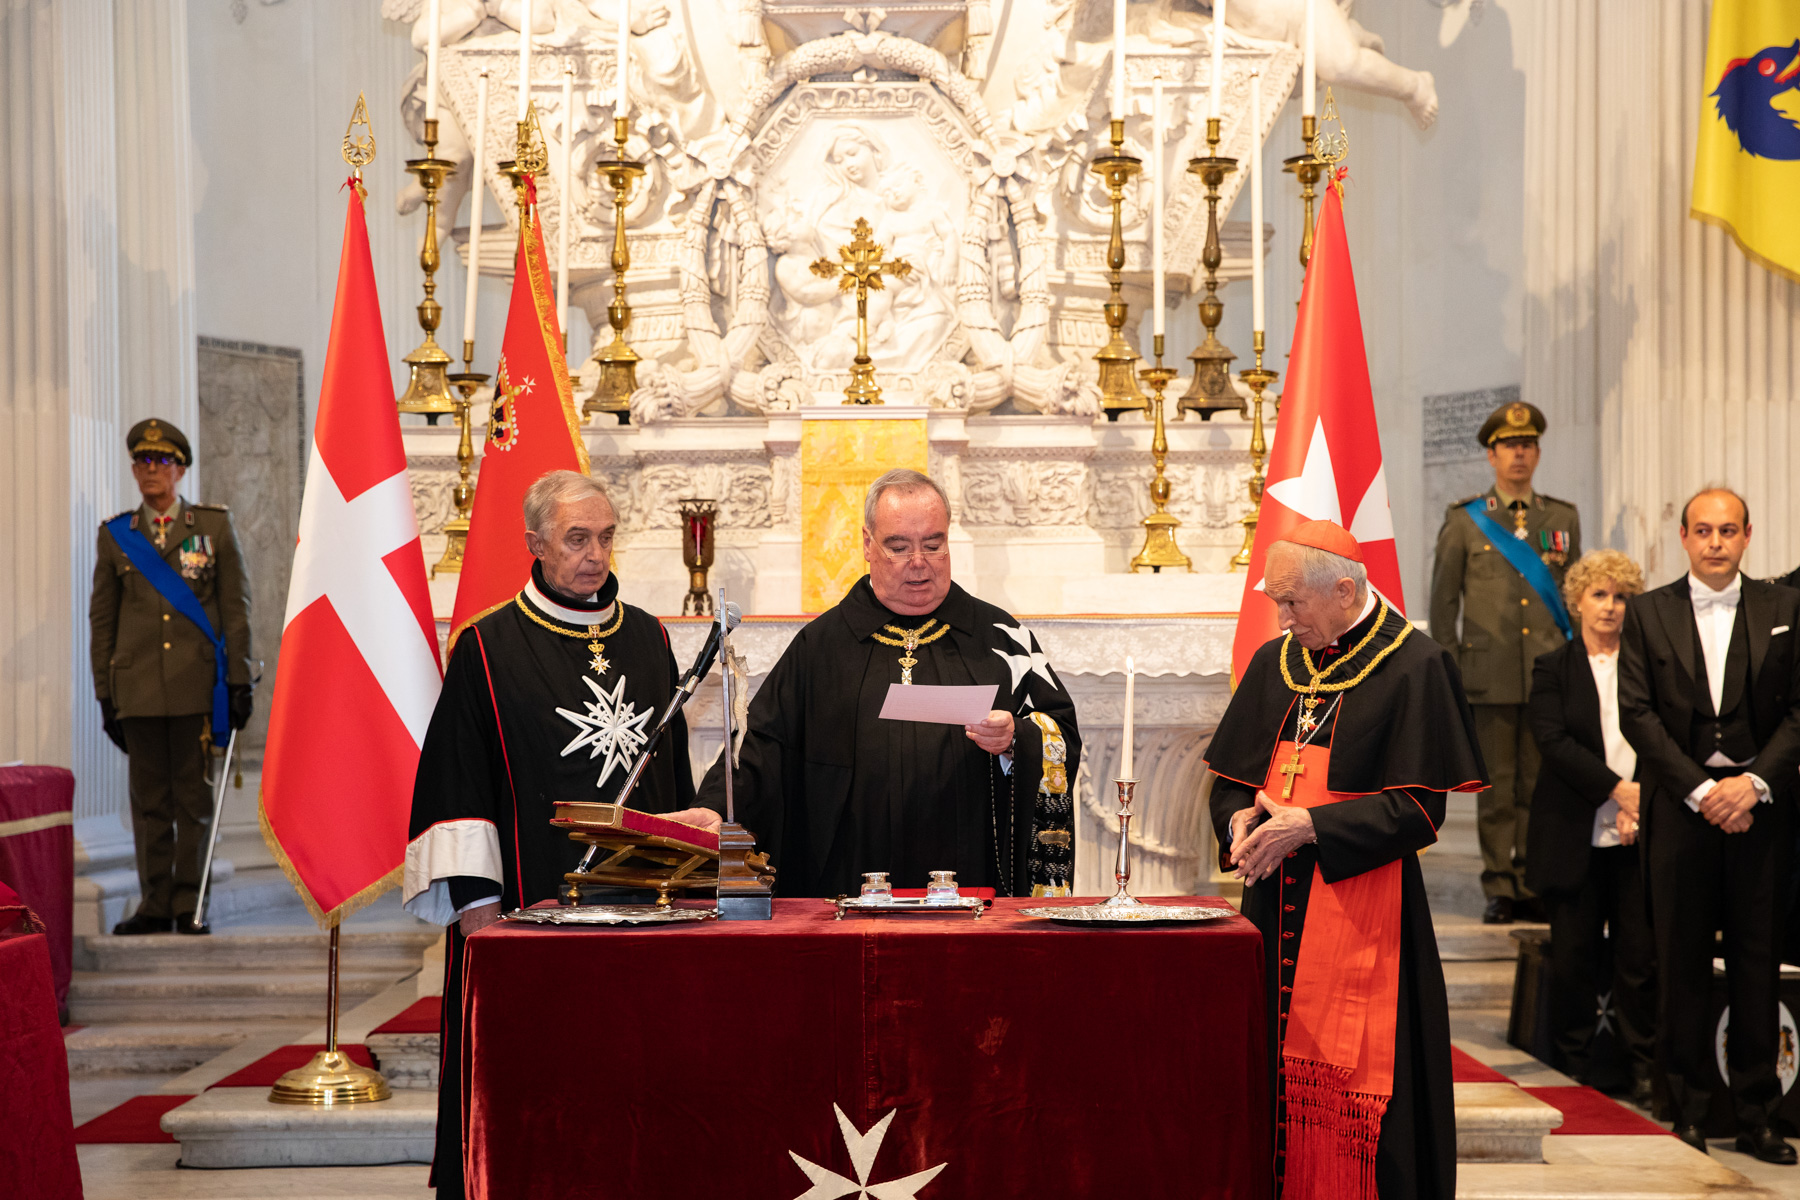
{"points": [[831, 790], [1332, 764], [548, 697]]}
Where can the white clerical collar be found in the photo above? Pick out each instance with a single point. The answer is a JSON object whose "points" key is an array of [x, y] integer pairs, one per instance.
{"points": [[563, 613], [1367, 608], [1702, 592]]}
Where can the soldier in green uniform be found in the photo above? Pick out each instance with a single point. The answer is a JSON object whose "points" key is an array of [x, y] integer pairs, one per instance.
{"points": [[1500, 563], [155, 669]]}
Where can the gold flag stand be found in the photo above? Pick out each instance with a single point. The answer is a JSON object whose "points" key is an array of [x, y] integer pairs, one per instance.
{"points": [[330, 1079], [862, 272]]}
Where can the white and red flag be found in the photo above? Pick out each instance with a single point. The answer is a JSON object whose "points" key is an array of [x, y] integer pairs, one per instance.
{"points": [[359, 672], [1325, 464]]}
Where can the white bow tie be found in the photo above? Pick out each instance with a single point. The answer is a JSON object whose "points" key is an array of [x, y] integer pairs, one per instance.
{"points": [[1706, 600]]}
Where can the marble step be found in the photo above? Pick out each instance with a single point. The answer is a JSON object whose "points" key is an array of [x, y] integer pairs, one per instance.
{"points": [[408, 1060], [1501, 1122], [400, 951], [239, 1127], [137, 997], [162, 1047], [1614, 1167], [1466, 939], [1479, 984]]}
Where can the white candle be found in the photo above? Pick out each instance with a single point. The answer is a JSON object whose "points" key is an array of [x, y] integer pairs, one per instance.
{"points": [[524, 58], [1256, 201], [477, 190], [620, 99], [1217, 88], [1158, 279], [1309, 67], [1118, 61], [431, 61], [1130, 694], [562, 203]]}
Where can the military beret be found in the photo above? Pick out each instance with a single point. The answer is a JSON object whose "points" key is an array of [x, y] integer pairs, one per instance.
{"points": [[1513, 420], [156, 436]]}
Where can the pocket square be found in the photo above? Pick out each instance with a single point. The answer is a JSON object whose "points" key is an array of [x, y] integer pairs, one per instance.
{"points": [[1779, 629]]}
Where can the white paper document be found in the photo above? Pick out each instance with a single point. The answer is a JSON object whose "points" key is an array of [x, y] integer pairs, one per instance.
{"points": [[939, 705]]}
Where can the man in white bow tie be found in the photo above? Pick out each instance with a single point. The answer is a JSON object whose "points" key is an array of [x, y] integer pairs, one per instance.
{"points": [[1709, 697]]}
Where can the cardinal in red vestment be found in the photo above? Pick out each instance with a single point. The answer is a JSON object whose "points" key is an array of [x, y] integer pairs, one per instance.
{"points": [[1332, 763]]}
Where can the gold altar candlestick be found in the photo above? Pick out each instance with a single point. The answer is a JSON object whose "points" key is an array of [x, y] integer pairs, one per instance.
{"points": [[1257, 378], [456, 529], [427, 387], [1160, 524], [618, 361], [1119, 391], [1211, 390], [862, 270]]}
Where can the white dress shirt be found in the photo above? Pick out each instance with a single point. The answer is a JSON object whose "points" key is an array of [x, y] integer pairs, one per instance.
{"points": [[1620, 757], [1715, 612]]}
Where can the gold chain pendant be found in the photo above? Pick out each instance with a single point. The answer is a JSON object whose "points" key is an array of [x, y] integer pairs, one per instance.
{"points": [[909, 641], [907, 661], [598, 664]]}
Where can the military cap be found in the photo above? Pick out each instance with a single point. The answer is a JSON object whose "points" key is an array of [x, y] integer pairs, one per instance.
{"points": [[1515, 419], [156, 436]]}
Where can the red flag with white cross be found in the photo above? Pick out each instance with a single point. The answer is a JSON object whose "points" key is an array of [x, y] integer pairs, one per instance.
{"points": [[1325, 463]]}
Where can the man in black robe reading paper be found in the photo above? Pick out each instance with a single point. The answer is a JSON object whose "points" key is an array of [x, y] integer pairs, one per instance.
{"points": [[831, 790], [1332, 765], [549, 697]]}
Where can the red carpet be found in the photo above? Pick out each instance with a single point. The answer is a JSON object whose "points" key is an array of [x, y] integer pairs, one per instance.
{"points": [[1465, 1068], [136, 1120], [1586, 1111], [270, 1067], [421, 1016]]}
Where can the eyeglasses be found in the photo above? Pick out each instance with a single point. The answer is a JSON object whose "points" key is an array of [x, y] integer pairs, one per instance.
{"points": [[156, 460], [908, 553]]}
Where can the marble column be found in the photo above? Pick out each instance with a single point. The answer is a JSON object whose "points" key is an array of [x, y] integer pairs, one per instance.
{"points": [[1671, 360]]}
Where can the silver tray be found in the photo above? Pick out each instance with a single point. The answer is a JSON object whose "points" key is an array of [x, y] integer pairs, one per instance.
{"points": [[909, 906], [1134, 914], [611, 914]]}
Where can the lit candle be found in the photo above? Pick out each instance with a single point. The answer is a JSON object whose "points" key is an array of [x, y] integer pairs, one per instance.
{"points": [[1118, 62], [1130, 694], [620, 99], [477, 189], [1217, 88], [562, 203], [1256, 190], [1158, 280], [431, 61], [524, 58], [1310, 65]]}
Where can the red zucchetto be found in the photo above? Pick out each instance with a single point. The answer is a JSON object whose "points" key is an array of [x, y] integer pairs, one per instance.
{"points": [[1325, 535]]}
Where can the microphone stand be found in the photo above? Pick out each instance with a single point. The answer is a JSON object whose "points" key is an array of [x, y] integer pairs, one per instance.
{"points": [[746, 881]]}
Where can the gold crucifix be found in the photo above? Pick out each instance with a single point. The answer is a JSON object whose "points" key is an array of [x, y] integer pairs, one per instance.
{"points": [[862, 270], [1291, 769]]}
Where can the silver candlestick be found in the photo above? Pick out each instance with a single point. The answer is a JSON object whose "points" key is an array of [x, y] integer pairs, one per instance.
{"points": [[1122, 872]]}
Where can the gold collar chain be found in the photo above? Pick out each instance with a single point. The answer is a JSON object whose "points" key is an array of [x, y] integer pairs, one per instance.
{"points": [[1317, 684], [911, 640], [598, 664]]}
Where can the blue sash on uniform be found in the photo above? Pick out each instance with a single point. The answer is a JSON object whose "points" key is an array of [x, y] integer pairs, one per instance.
{"points": [[172, 587], [1524, 560]]}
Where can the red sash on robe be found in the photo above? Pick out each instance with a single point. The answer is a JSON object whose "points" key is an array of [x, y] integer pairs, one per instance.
{"points": [[1337, 1059]]}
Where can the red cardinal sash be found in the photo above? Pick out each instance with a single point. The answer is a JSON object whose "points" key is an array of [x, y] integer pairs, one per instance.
{"points": [[1337, 1053]]}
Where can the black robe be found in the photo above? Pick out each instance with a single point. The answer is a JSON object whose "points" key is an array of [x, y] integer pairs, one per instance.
{"points": [[831, 790], [1406, 736], [471, 780]]}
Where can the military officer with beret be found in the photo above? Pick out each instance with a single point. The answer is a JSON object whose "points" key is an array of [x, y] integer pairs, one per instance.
{"points": [[1500, 563], [170, 602]]}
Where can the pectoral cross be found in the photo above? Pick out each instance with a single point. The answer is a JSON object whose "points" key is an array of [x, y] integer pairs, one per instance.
{"points": [[907, 661], [862, 269], [1291, 769]]}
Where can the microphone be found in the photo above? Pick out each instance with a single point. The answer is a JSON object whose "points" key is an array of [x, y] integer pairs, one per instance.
{"points": [[729, 616]]}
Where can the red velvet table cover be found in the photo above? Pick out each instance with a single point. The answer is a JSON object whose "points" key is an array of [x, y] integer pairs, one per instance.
{"points": [[1027, 1058], [37, 1133], [37, 855]]}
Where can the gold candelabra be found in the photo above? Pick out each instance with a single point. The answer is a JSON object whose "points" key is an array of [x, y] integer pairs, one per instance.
{"points": [[1160, 524], [456, 529], [1257, 378], [618, 361], [427, 386], [1306, 167], [862, 270], [1119, 391], [1211, 390]]}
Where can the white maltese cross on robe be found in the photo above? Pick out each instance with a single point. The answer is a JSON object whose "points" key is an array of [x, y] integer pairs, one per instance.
{"points": [[611, 726]]}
